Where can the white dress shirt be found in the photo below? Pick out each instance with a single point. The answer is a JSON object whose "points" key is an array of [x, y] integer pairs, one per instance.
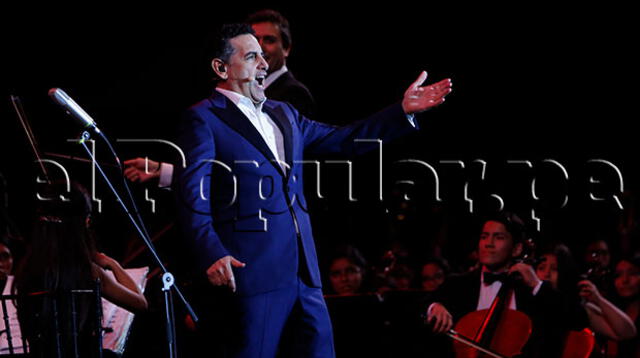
{"points": [[267, 128], [166, 175], [489, 292]]}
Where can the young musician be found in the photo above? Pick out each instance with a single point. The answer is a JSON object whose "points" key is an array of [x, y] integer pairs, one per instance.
{"points": [[61, 257], [500, 244], [604, 318]]}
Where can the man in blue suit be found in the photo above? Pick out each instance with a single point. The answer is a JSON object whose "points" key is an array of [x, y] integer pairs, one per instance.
{"points": [[241, 201]]}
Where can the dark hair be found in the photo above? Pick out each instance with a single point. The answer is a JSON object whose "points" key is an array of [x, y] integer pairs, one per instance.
{"points": [[354, 256], [632, 259], [402, 270], [623, 302], [219, 45], [512, 223], [596, 238], [58, 259], [61, 247], [276, 18], [64, 200], [568, 274], [440, 262], [350, 253]]}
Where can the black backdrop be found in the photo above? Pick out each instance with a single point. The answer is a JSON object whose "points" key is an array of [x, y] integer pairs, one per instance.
{"points": [[530, 83]]}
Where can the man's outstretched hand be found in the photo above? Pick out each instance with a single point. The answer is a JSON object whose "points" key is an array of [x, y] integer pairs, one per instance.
{"points": [[419, 99]]}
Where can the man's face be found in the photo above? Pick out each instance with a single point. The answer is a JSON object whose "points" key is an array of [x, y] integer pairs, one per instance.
{"points": [[496, 248], [270, 39], [246, 69]]}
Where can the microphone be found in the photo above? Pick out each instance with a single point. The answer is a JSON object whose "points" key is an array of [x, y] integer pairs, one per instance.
{"points": [[72, 108]]}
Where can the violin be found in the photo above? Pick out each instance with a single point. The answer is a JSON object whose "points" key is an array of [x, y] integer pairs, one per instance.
{"points": [[381, 273], [595, 272], [580, 344]]}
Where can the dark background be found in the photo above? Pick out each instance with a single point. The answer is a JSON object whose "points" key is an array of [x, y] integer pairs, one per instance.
{"points": [[530, 83]]}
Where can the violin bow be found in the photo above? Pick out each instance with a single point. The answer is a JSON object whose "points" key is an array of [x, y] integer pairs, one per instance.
{"points": [[22, 117], [79, 159], [469, 342], [17, 106]]}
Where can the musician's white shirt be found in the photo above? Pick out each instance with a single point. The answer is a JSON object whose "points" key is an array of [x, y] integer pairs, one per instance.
{"points": [[489, 292]]}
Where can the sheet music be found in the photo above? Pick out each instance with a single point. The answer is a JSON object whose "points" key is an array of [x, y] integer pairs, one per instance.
{"points": [[117, 319]]}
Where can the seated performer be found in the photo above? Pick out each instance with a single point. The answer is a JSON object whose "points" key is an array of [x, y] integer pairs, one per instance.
{"points": [[501, 242], [604, 317], [61, 257], [627, 298], [433, 274], [347, 272], [6, 279]]}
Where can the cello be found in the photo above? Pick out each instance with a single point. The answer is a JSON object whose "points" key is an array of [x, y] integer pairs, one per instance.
{"points": [[498, 331]]}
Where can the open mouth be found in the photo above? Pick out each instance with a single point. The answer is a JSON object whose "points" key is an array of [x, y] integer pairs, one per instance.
{"points": [[260, 80]]}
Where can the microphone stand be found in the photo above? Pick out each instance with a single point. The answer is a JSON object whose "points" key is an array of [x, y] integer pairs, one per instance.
{"points": [[167, 278]]}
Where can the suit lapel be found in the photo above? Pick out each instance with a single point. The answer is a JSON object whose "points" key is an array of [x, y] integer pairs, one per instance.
{"points": [[224, 109], [280, 118]]}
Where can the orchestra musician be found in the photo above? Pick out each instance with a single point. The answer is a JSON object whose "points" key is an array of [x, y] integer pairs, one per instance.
{"points": [[61, 256], [604, 317], [627, 297], [501, 242]]}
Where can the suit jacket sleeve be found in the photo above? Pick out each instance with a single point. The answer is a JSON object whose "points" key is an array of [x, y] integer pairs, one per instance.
{"points": [[197, 142], [322, 138]]}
